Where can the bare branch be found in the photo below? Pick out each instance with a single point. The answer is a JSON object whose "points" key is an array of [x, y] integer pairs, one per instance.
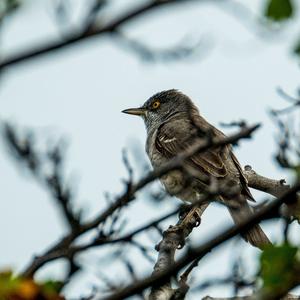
{"points": [[270, 210], [252, 297], [173, 164], [62, 248], [126, 238], [276, 188], [273, 187], [181, 50], [173, 239], [295, 102], [88, 32], [24, 149]]}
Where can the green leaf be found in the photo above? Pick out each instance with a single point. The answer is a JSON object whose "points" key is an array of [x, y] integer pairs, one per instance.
{"points": [[7, 281], [51, 287], [14, 287], [277, 266], [297, 49], [279, 10], [297, 167]]}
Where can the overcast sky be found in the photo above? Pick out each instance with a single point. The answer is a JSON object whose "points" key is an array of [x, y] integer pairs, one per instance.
{"points": [[78, 93]]}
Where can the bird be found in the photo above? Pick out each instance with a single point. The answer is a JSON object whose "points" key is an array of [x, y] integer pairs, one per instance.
{"points": [[173, 124]]}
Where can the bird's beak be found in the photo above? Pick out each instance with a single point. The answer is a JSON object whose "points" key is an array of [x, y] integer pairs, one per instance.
{"points": [[135, 111]]}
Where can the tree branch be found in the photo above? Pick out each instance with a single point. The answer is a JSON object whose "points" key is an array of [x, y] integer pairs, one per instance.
{"points": [[271, 186], [77, 37], [252, 297], [173, 239], [60, 249], [276, 188], [25, 149], [268, 211]]}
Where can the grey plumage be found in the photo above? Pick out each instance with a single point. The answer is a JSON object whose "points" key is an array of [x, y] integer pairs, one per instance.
{"points": [[173, 124]]}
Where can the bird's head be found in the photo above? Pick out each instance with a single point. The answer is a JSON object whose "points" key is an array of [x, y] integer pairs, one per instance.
{"points": [[162, 106]]}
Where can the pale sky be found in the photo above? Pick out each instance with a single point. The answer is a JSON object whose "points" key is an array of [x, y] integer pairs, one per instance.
{"points": [[79, 92]]}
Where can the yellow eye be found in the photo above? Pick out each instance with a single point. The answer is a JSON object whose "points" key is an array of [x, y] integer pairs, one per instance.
{"points": [[156, 104]]}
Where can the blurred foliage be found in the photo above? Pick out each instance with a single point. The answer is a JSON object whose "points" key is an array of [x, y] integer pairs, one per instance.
{"points": [[16, 288], [279, 267], [279, 10], [7, 7], [297, 48]]}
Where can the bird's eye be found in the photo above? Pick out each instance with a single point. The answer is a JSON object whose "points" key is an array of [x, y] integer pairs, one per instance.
{"points": [[156, 104]]}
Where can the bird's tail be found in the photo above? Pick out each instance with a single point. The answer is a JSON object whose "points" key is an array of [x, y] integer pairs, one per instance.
{"points": [[255, 235]]}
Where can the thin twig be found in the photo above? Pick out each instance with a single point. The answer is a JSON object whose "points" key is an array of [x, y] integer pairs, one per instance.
{"points": [[76, 37], [266, 212], [60, 249]]}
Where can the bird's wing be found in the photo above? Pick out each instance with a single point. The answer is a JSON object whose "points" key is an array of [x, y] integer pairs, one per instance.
{"points": [[243, 179], [202, 123], [172, 139]]}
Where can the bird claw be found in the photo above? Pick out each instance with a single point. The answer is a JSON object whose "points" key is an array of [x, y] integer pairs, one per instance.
{"points": [[189, 218], [192, 218], [181, 245], [184, 210], [197, 223], [197, 217]]}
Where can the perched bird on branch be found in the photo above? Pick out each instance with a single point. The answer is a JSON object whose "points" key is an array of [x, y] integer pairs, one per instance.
{"points": [[173, 125]]}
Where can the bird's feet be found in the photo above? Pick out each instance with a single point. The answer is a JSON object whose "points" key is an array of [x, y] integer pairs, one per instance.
{"points": [[184, 210], [190, 219]]}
